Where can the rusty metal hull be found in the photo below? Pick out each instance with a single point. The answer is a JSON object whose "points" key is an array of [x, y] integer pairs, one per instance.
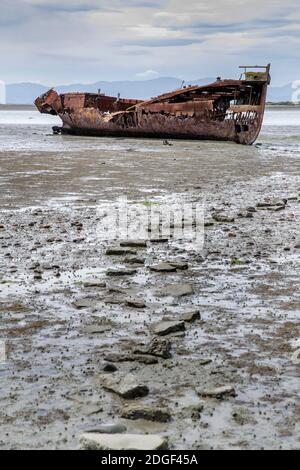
{"points": [[229, 110], [90, 122]]}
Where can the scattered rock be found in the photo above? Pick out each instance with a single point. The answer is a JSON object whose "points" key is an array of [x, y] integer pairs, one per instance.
{"points": [[147, 412], [125, 386], [181, 265], [95, 329], [175, 290], [272, 203], [222, 218], [108, 429], [163, 267], [134, 260], [84, 303], [219, 392], [119, 289], [98, 284], [119, 251], [190, 316], [97, 441], [127, 357], [134, 243], [166, 327], [135, 303], [120, 272], [159, 240], [245, 214], [157, 347]]}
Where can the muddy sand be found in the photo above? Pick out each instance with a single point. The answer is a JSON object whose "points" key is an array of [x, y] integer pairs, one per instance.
{"points": [[199, 350]]}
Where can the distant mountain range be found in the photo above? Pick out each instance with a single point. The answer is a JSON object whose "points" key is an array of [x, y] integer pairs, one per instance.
{"points": [[25, 93]]}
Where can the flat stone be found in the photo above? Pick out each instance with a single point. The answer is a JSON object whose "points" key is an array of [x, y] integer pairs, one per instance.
{"points": [[134, 260], [119, 251], [175, 290], [120, 272], [111, 299], [222, 218], [125, 386], [97, 441], [159, 347], [95, 329], [108, 429], [134, 243], [159, 240], [271, 203], [135, 303], [219, 392], [245, 214], [98, 284], [120, 289], [179, 264], [190, 316], [163, 267], [127, 357], [276, 208], [84, 303], [147, 412], [166, 327]]}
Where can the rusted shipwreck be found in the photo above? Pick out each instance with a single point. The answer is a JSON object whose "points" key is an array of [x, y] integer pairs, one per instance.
{"points": [[229, 110]]}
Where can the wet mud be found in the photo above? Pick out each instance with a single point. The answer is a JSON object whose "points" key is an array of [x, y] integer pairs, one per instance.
{"points": [[202, 356]]}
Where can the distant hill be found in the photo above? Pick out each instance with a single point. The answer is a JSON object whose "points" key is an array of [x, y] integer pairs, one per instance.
{"points": [[25, 93]]}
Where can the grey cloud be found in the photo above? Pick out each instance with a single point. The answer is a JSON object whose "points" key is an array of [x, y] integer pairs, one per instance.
{"points": [[162, 42]]}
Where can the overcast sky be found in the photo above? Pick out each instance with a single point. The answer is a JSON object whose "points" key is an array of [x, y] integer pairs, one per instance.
{"points": [[67, 41]]}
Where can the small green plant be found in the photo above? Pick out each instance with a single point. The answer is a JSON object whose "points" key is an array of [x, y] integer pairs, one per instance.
{"points": [[150, 203], [236, 262]]}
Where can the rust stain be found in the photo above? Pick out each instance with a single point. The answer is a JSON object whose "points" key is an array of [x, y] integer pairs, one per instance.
{"points": [[224, 110]]}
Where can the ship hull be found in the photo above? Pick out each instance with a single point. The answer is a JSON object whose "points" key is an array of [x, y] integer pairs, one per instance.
{"points": [[90, 123], [227, 110]]}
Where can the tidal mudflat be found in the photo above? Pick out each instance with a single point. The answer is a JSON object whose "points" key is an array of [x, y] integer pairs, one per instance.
{"points": [[195, 347]]}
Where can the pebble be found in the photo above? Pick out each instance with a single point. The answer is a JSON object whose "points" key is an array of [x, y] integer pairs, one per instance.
{"points": [[126, 386], [222, 218], [159, 347], [166, 327], [175, 290], [190, 316], [147, 412], [108, 429], [135, 303], [219, 392], [119, 251], [120, 272], [163, 267], [134, 243]]}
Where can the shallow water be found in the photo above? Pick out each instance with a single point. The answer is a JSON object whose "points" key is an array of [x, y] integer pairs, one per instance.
{"points": [[30, 130]]}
